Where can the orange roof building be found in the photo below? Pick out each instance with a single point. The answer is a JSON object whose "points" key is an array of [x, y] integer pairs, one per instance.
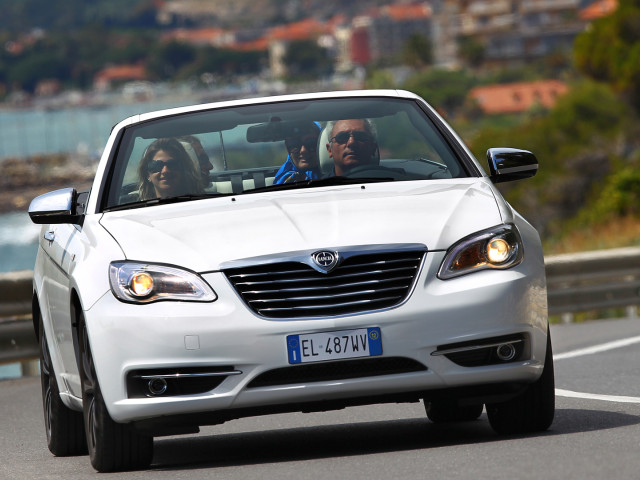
{"points": [[119, 73], [598, 9], [306, 29], [517, 97]]}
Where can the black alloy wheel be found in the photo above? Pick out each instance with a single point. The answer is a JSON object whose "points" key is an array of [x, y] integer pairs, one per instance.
{"points": [[531, 411], [64, 427], [112, 446]]}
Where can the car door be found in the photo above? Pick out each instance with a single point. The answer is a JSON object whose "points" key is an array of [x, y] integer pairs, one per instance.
{"points": [[63, 246]]}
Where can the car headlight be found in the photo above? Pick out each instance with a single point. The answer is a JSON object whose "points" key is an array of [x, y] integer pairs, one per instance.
{"points": [[498, 247], [136, 282]]}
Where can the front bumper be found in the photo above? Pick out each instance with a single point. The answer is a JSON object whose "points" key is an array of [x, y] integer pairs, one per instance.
{"points": [[128, 338]]}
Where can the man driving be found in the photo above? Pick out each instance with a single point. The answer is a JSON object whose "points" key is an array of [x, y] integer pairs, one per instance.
{"points": [[352, 143]]}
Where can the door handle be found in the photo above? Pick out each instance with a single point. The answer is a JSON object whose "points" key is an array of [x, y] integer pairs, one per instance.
{"points": [[50, 236]]}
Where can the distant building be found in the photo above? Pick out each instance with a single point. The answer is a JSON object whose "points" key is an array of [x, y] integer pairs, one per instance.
{"points": [[512, 31], [48, 88], [382, 33], [517, 97], [598, 9], [279, 37], [106, 78]]}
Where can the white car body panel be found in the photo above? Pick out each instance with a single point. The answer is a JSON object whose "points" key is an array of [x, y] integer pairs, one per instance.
{"points": [[204, 236], [320, 218]]}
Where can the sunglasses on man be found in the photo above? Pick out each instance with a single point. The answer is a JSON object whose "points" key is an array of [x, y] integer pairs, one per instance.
{"points": [[358, 136]]}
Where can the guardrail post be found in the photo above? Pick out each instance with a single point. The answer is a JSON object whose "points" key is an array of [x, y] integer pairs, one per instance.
{"points": [[30, 368], [567, 317], [632, 312]]}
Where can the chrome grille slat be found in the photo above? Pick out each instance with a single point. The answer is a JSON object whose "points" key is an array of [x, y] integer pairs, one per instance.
{"points": [[362, 282], [406, 279], [334, 305], [313, 278], [320, 297]]}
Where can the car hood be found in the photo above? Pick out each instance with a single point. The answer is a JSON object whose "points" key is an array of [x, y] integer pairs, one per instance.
{"points": [[201, 235]]}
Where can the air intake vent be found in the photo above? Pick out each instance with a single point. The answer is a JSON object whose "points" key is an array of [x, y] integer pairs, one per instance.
{"points": [[360, 283], [342, 370]]}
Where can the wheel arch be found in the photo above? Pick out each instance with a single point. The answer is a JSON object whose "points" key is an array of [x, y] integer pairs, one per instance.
{"points": [[35, 314], [76, 313]]}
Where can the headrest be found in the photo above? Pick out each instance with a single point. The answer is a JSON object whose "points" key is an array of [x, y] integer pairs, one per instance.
{"points": [[192, 154], [326, 162]]}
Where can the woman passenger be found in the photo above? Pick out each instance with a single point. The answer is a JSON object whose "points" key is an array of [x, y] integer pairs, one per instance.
{"points": [[166, 170]]}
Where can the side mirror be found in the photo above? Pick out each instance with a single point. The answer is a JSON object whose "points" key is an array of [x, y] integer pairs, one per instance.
{"points": [[507, 164], [59, 206]]}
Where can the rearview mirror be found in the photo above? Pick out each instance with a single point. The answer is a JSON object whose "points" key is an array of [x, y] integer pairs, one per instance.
{"points": [[55, 207], [507, 164]]}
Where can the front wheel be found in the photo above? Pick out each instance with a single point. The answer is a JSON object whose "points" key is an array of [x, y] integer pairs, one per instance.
{"points": [[533, 409], [64, 427], [112, 446]]}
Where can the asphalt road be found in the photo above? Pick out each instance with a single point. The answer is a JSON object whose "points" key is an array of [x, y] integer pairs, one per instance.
{"points": [[595, 435]]}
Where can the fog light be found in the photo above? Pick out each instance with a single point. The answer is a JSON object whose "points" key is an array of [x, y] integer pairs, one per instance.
{"points": [[157, 386], [506, 352]]}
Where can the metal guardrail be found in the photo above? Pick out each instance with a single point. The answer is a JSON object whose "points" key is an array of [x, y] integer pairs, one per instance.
{"points": [[575, 283]]}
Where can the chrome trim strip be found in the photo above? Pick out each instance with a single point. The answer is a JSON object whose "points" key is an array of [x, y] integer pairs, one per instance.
{"points": [[190, 375], [473, 347]]}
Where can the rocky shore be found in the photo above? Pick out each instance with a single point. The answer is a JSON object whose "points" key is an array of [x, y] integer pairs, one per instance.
{"points": [[23, 179]]}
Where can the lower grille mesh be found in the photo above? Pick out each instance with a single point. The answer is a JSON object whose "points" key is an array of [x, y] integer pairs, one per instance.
{"points": [[341, 370]]}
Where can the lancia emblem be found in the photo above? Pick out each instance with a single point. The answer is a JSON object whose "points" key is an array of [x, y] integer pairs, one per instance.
{"points": [[325, 260]]}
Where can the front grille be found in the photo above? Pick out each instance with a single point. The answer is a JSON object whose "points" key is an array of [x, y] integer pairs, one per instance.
{"points": [[364, 282], [341, 370]]}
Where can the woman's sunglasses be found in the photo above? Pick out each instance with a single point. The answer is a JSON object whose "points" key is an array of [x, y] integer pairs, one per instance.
{"points": [[156, 166], [343, 137]]}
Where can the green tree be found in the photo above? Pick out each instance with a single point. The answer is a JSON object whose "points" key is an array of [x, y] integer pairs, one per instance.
{"points": [[471, 50], [610, 50], [417, 51], [166, 60], [379, 79], [305, 59], [444, 89]]}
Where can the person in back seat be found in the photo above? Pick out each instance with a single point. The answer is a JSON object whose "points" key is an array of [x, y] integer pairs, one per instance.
{"points": [[302, 161], [204, 163]]}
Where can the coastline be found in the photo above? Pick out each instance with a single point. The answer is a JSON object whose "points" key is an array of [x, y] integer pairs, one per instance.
{"points": [[23, 179]]}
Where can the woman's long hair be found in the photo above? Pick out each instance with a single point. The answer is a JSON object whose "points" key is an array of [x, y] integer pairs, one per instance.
{"points": [[190, 177]]}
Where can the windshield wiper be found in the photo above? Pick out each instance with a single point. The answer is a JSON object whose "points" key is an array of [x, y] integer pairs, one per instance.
{"points": [[165, 201], [321, 182], [434, 163]]}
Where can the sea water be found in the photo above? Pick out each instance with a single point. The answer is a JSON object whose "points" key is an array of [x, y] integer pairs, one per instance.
{"points": [[18, 242]]}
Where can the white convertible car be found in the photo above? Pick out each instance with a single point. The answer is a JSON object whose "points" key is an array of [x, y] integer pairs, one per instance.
{"points": [[295, 253]]}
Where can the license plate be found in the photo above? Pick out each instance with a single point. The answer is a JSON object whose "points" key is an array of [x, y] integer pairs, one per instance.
{"points": [[318, 347]]}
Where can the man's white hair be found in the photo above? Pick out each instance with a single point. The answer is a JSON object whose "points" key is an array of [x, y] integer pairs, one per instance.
{"points": [[368, 124]]}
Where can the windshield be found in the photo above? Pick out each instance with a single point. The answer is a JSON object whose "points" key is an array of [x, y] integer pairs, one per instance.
{"points": [[274, 146]]}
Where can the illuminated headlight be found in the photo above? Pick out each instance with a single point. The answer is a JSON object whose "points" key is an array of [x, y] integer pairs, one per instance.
{"points": [[144, 283], [498, 247]]}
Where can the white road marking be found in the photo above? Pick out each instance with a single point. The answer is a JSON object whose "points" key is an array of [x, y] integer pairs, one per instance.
{"points": [[597, 348], [590, 351], [593, 396]]}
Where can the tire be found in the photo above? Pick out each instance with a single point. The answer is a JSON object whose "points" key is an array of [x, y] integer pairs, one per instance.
{"points": [[64, 427], [112, 446], [533, 409], [449, 411]]}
